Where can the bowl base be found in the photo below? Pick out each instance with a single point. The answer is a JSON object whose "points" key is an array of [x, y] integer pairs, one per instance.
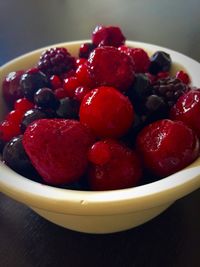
{"points": [[102, 224]]}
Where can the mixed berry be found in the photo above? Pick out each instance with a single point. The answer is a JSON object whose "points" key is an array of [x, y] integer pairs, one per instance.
{"points": [[112, 118]]}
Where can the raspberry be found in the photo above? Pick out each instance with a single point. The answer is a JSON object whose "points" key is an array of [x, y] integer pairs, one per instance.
{"points": [[56, 61], [160, 62], [108, 66], [167, 146], [183, 76], [170, 89], [187, 109], [108, 36], [139, 56], [11, 88], [85, 50], [122, 168], [61, 155], [107, 112]]}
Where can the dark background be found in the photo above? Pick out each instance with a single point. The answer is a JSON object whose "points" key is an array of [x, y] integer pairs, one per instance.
{"points": [[173, 238]]}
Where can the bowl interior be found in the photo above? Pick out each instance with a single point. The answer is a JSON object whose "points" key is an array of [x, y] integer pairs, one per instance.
{"points": [[62, 200]]}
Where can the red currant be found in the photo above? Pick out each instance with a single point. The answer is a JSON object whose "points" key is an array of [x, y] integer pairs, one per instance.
{"points": [[70, 85], [183, 76]]}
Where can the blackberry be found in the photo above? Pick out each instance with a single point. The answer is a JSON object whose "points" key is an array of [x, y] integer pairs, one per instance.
{"points": [[159, 62], [170, 89], [56, 61]]}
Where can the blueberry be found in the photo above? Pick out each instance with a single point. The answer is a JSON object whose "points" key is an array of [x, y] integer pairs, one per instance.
{"points": [[2, 144], [140, 89], [68, 109], [45, 98], [30, 116], [15, 156], [156, 109], [31, 82], [160, 62]]}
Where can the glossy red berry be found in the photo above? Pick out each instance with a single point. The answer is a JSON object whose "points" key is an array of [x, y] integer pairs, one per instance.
{"points": [[108, 36], [15, 116], [107, 112], [167, 146], [80, 61], [8, 130], [187, 109], [99, 153], [83, 76], [55, 82], [122, 170], [183, 76], [162, 75], [70, 85], [80, 92], [11, 88], [23, 104], [110, 67]]}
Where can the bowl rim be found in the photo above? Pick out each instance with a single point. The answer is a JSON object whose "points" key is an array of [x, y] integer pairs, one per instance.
{"points": [[69, 201]]}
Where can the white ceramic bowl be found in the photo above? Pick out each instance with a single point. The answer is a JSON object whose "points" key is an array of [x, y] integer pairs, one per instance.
{"points": [[107, 211]]}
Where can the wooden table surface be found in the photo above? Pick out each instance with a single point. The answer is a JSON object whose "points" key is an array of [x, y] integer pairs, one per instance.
{"points": [[171, 239]]}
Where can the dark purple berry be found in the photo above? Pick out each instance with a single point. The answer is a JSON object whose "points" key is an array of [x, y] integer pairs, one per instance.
{"points": [[30, 116], [15, 156], [2, 144], [140, 89], [31, 82], [160, 62], [68, 109], [85, 50], [56, 61], [45, 98], [170, 89], [11, 88], [155, 109]]}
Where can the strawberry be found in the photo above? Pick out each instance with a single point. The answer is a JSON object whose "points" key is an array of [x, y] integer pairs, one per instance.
{"points": [[58, 149], [187, 109], [167, 146]]}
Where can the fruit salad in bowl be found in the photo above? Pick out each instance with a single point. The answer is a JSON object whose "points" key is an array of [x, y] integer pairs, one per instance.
{"points": [[100, 135]]}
